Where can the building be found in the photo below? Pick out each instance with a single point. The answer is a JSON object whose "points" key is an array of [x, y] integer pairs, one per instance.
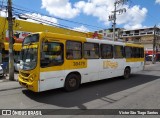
{"points": [[146, 37], [108, 33]]}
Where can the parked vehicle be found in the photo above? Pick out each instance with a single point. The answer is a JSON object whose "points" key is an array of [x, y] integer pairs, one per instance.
{"points": [[1, 71], [16, 65], [6, 61]]}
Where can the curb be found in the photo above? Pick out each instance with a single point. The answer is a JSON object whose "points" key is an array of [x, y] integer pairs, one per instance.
{"points": [[7, 80], [10, 89]]}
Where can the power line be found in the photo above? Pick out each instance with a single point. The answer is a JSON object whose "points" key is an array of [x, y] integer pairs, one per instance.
{"points": [[2, 6], [41, 20], [18, 12], [73, 22]]}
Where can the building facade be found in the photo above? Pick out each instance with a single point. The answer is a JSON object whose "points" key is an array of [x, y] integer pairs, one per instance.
{"points": [[108, 33]]}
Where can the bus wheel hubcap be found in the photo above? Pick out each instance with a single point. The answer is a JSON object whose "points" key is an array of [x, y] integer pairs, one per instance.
{"points": [[72, 82]]}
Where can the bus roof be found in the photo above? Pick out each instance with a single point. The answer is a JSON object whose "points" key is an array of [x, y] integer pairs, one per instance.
{"points": [[61, 36], [83, 39], [134, 45]]}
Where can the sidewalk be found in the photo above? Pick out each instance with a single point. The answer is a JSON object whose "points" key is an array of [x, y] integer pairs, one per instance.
{"points": [[6, 78], [150, 62], [6, 84]]}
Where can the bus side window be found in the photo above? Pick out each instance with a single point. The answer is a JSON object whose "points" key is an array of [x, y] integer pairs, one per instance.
{"points": [[128, 52], [91, 50], [73, 50], [118, 51], [52, 54], [106, 51]]}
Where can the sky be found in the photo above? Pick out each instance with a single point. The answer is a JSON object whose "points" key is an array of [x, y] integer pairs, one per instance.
{"points": [[90, 15]]}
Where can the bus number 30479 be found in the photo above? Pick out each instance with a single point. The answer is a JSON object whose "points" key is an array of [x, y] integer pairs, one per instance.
{"points": [[79, 63]]}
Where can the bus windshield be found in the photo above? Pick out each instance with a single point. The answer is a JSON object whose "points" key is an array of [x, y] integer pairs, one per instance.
{"points": [[33, 38], [28, 58]]}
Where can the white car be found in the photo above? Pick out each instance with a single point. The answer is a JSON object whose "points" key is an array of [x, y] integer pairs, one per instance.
{"points": [[16, 66], [1, 71]]}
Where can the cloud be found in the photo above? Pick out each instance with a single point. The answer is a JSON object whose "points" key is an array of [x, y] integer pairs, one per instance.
{"points": [[81, 29], [3, 13], [100, 9], [136, 26], [133, 18], [96, 8], [157, 1], [60, 8]]}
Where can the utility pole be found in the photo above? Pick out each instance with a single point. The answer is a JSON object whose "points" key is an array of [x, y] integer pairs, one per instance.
{"points": [[113, 16], [154, 46], [114, 21], [10, 29]]}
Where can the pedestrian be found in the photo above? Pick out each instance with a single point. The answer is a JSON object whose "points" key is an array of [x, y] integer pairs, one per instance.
{"points": [[5, 68]]}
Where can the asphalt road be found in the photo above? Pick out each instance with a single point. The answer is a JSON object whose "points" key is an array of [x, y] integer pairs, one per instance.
{"points": [[141, 91]]}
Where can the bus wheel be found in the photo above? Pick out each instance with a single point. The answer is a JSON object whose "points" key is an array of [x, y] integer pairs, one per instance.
{"points": [[72, 82], [126, 73]]}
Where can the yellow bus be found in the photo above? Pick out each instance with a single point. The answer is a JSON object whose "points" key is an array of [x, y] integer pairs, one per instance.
{"points": [[51, 60]]}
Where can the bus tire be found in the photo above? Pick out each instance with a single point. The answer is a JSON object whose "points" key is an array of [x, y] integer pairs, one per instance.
{"points": [[127, 72], [72, 82]]}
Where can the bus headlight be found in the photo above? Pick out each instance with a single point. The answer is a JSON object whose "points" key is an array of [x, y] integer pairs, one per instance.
{"points": [[32, 78]]}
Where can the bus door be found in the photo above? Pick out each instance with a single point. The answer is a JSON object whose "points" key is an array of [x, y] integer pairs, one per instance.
{"points": [[91, 53], [51, 65]]}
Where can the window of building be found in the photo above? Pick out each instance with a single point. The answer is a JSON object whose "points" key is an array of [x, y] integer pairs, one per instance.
{"points": [[136, 31], [106, 51], [91, 50], [74, 50], [118, 51]]}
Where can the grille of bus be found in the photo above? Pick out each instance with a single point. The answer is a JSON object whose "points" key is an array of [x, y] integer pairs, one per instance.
{"points": [[26, 80], [24, 74]]}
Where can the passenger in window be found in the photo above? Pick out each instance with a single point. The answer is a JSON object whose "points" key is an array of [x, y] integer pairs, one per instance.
{"points": [[108, 55], [58, 57], [58, 53], [69, 55]]}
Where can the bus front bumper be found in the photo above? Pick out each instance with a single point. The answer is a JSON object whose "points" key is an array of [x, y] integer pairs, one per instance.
{"points": [[33, 86]]}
